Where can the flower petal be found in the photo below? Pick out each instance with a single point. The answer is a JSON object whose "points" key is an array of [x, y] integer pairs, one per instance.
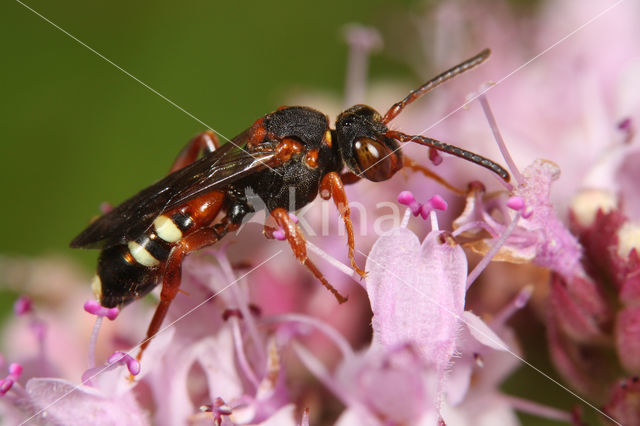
{"points": [[64, 403], [482, 332], [417, 293]]}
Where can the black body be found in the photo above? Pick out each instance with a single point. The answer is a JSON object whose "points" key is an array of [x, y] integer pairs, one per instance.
{"points": [[274, 186]]}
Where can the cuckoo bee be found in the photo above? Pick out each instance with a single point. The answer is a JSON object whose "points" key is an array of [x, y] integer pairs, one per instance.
{"points": [[145, 239]]}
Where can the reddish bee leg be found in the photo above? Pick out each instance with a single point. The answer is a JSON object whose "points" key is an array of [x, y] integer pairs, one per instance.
{"points": [[349, 178], [172, 272], [296, 240], [331, 187], [416, 167], [204, 142]]}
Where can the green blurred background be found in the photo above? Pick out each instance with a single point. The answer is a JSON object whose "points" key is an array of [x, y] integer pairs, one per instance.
{"points": [[77, 131]]}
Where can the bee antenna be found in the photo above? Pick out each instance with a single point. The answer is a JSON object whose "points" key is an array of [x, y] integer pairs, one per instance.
{"points": [[435, 82], [453, 150]]}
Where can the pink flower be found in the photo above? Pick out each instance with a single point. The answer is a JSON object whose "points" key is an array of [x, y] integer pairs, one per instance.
{"points": [[424, 342], [417, 294], [538, 235], [418, 307], [373, 379]]}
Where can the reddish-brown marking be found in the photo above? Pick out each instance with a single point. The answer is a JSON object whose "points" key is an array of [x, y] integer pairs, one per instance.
{"points": [[258, 133], [311, 159], [349, 178], [128, 257], [203, 209], [172, 271], [203, 141], [287, 148], [296, 240], [331, 187]]}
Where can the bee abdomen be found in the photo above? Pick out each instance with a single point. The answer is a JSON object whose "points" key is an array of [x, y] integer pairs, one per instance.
{"points": [[121, 279], [129, 271]]}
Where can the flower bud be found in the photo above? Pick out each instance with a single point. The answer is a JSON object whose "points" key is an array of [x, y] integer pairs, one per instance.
{"points": [[627, 333]]}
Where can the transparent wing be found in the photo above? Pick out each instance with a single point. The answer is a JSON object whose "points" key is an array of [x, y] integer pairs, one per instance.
{"points": [[222, 167]]}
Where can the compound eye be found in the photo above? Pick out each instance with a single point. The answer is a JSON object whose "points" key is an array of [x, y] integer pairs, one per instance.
{"points": [[376, 161]]}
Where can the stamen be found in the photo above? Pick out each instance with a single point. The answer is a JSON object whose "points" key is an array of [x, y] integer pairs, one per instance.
{"points": [[279, 234], [347, 270], [406, 198], [326, 329], [478, 360], [476, 224], [125, 359], [482, 98], [537, 409], [626, 126], [523, 297], [435, 157], [317, 368], [492, 251], [434, 221], [361, 40], [228, 313], [241, 299], [5, 386], [218, 409], [93, 342], [15, 370], [22, 306], [240, 353], [93, 307], [405, 218], [517, 203], [519, 302], [435, 203], [305, 417], [105, 207], [39, 329]]}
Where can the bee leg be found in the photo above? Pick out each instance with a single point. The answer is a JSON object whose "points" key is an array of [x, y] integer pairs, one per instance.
{"points": [[349, 178], [172, 272], [296, 240], [331, 187], [205, 142], [417, 167]]}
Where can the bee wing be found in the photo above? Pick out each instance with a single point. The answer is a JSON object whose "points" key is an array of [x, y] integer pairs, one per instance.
{"points": [[224, 166]]}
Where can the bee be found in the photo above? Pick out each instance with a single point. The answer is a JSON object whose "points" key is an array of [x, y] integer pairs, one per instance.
{"points": [[145, 239]]}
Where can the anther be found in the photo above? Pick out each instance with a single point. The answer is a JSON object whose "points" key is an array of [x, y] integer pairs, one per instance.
{"points": [[95, 308], [125, 359]]}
